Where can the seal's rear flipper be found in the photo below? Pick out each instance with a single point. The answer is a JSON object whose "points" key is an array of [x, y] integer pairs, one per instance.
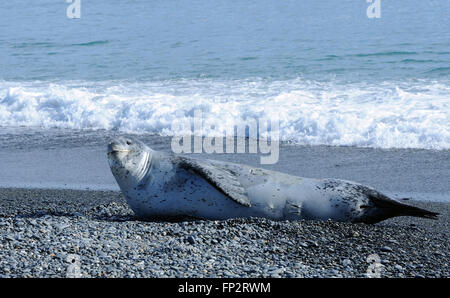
{"points": [[417, 212], [399, 209]]}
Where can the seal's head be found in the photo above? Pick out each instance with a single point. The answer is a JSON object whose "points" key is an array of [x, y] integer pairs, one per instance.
{"points": [[129, 160]]}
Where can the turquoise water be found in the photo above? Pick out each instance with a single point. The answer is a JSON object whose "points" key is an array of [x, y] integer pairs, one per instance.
{"points": [[148, 40], [333, 75]]}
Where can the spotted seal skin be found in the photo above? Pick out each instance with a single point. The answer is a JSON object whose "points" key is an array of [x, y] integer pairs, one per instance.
{"points": [[161, 185]]}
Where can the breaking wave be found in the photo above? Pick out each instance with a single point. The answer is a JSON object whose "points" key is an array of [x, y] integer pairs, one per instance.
{"points": [[414, 114]]}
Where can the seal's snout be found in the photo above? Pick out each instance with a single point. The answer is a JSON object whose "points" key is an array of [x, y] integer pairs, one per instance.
{"points": [[109, 148], [120, 145]]}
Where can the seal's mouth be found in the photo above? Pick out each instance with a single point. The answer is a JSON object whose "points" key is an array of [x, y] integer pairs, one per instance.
{"points": [[119, 150], [114, 148]]}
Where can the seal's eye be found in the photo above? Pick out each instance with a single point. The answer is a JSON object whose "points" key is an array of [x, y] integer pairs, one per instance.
{"points": [[128, 142]]}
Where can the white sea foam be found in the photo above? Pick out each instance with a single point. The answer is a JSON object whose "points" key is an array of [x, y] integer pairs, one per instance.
{"points": [[413, 114]]}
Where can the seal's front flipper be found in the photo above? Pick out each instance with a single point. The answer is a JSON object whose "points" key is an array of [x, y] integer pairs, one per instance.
{"points": [[223, 179]]}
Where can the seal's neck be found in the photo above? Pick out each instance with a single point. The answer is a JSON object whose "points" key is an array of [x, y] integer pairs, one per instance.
{"points": [[143, 166], [130, 169]]}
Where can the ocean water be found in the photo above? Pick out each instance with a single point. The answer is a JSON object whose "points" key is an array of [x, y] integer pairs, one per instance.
{"points": [[331, 75]]}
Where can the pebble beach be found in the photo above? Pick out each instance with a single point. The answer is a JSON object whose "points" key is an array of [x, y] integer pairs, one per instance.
{"points": [[74, 233]]}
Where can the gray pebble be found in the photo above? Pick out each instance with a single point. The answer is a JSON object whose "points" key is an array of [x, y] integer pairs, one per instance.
{"points": [[386, 249], [346, 263]]}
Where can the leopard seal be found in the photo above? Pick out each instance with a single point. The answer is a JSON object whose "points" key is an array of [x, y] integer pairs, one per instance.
{"points": [[162, 185]]}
